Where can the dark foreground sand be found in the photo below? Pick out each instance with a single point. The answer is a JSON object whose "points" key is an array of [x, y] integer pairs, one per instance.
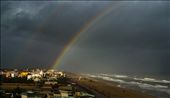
{"points": [[106, 89]]}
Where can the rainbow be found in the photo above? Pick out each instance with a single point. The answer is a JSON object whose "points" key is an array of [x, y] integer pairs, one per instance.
{"points": [[77, 35]]}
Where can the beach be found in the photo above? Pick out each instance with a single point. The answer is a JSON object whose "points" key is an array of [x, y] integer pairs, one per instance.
{"points": [[107, 89]]}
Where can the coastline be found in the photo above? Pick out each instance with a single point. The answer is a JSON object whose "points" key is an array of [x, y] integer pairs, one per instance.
{"points": [[99, 87], [107, 89]]}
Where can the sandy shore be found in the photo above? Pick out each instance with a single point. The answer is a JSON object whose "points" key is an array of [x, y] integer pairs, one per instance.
{"points": [[108, 90]]}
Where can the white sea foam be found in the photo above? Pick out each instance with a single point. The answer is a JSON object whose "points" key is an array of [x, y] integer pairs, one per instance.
{"points": [[109, 75], [111, 79], [149, 79], [115, 75], [121, 76], [165, 81], [161, 88], [152, 80], [92, 76], [149, 86], [143, 85]]}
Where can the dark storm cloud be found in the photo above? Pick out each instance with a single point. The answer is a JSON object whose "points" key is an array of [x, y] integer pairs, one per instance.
{"points": [[18, 24], [134, 38], [140, 26], [35, 32]]}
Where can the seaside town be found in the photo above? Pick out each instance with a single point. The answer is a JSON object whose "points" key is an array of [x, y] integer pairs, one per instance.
{"points": [[50, 83], [39, 83], [85, 49]]}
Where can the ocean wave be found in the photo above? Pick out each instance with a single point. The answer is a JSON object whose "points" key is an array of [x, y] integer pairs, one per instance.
{"points": [[152, 80], [121, 76], [145, 79], [89, 75], [109, 75], [115, 75], [111, 79], [156, 87], [142, 85], [105, 78], [149, 86]]}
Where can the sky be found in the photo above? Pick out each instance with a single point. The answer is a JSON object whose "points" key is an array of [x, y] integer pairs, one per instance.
{"points": [[115, 36]]}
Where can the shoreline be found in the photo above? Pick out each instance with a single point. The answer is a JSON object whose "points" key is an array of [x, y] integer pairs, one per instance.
{"points": [[99, 87], [107, 89]]}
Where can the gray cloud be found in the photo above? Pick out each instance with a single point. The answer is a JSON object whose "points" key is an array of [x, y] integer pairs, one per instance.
{"points": [[133, 37], [35, 32]]}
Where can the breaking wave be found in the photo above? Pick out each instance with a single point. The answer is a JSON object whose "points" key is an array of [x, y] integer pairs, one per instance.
{"points": [[115, 75], [152, 80], [143, 83]]}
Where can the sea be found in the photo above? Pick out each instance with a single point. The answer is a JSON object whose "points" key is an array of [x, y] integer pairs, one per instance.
{"points": [[158, 86]]}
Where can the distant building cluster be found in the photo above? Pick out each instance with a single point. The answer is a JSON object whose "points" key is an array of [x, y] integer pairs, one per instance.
{"points": [[45, 84], [35, 74]]}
